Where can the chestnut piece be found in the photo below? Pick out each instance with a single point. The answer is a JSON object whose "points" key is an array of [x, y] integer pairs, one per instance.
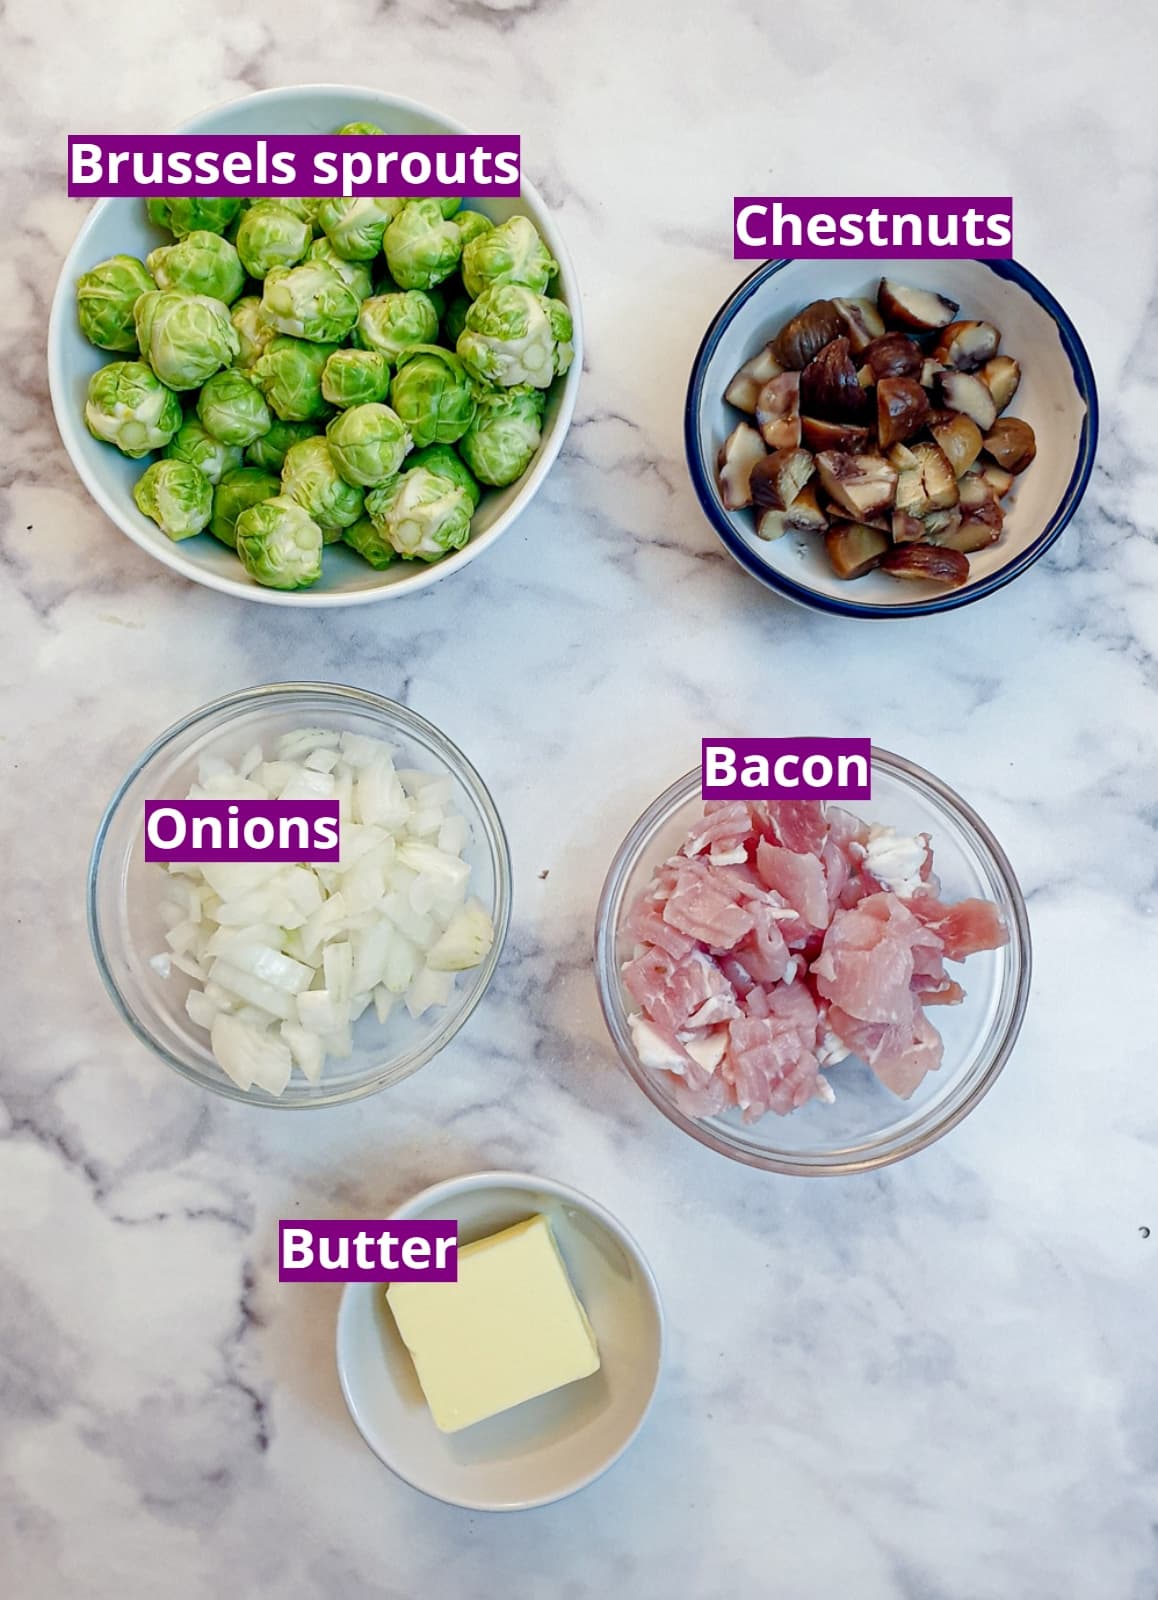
{"points": [[960, 439], [828, 385], [1011, 443], [855, 549], [862, 323], [806, 334], [739, 453], [966, 345], [778, 411], [894, 355], [920, 310], [902, 406], [863, 485], [802, 516], [962, 391], [744, 388], [777, 480], [845, 436], [931, 562], [1001, 377]]}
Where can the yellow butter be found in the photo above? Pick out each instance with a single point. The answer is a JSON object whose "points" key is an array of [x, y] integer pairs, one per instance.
{"points": [[511, 1328]]}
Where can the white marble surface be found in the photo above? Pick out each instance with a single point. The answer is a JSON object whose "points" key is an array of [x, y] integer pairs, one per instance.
{"points": [[933, 1384]]}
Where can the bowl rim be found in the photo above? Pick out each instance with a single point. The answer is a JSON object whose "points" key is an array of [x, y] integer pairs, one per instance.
{"points": [[240, 699], [685, 788], [803, 594], [69, 422], [469, 1182]]}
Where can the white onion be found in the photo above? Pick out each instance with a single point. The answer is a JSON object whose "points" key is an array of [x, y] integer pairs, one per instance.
{"points": [[284, 959]]}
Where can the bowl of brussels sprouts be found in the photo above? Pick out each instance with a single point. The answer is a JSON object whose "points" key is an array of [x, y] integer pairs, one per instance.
{"points": [[317, 401]]}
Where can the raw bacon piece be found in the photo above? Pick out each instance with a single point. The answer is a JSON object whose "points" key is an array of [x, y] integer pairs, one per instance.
{"points": [[964, 929], [798, 825], [699, 907], [723, 830], [645, 925], [769, 1066], [799, 878], [866, 964], [764, 952], [672, 992]]}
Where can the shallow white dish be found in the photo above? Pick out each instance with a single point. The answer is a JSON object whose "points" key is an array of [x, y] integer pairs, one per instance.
{"points": [[544, 1449], [1057, 397], [121, 225]]}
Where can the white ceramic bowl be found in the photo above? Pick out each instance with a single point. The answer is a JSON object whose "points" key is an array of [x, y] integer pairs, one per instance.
{"points": [[1057, 397], [121, 225], [546, 1448]]}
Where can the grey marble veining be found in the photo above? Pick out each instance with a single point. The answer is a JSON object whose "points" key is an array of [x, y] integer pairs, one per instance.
{"points": [[937, 1383]]}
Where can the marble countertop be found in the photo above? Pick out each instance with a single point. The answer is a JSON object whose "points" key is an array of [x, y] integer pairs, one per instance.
{"points": [[936, 1383]]}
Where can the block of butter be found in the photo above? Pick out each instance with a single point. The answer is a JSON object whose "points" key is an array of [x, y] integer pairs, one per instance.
{"points": [[511, 1328]]}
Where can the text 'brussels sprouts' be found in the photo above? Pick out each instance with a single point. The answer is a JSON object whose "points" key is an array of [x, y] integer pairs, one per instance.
{"points": [[130, 407], [514, 335], [433, 395], [421, 513], [368, 444], [280, 544], [105, 297], [177, 496]]}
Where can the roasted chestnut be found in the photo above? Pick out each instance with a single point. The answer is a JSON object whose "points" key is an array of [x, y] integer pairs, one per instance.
{"points": [[806, 334], [918, 309], [828, 385], [902, 406]]}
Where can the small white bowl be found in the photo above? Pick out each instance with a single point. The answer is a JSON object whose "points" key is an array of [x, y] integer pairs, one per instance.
{"points": [[115, 226], [543, 1449], [1057, 397]]}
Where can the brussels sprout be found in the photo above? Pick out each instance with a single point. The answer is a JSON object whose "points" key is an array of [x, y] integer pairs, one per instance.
{"points": [[514, 335], [200, 263], [270, 450], [280, 544], [193, 213], [355, 275], [433, 395], [365, 130], [370, 544], [253, 331], [310, 476], [211, 458], [368, 444], [510, 253], [356, 377], [289, 375], [422, 514], [448, 204], [393, 323], [471, 224], [270, 236], [310, 302], [505, 433], [184, 337], [177, 496], [422, 246], [237, 491], [130, 407], [455, 319], [355, 226], [446, 462], [232, 409], [105, 297], [305, 207]]}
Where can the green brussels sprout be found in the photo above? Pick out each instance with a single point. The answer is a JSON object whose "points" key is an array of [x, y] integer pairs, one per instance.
{"points": [[269, 452], [280, 544], [253, 331], [130, 407], [505, 433], [471, 224], [421, 513], [271, 235], [455, 319], [356, 377], [447, 204], [370, 544], [232, 409], [210, 456], [105, 297], [289, 374], [237, 491], [446, 462], [310, 301], [514, 335], [184, 337], [200, 263], [193, 213], [177, 496], [394, 322], [510, 253], [433, 394], [355, 226], [422, 246], [310, 476], [305, 207], [364, 130], [368, 444], [355, 275]]}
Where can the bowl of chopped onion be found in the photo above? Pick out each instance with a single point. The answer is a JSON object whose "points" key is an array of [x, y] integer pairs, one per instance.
{"points": [[304, 983]]}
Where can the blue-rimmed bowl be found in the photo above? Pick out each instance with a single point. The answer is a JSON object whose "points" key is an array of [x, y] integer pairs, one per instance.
{"points": [[1057, 397]]}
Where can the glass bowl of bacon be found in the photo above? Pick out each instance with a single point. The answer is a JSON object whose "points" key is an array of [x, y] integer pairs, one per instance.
{"points": [[812, 988]]}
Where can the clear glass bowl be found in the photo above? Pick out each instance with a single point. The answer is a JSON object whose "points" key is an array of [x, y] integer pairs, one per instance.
{"points": [[867, 1127], [124, 889]]}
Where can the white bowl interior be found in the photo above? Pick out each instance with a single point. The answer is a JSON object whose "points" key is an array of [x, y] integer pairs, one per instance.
{"points": [[545, 1448], [1047, 399], [122, 225]]}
